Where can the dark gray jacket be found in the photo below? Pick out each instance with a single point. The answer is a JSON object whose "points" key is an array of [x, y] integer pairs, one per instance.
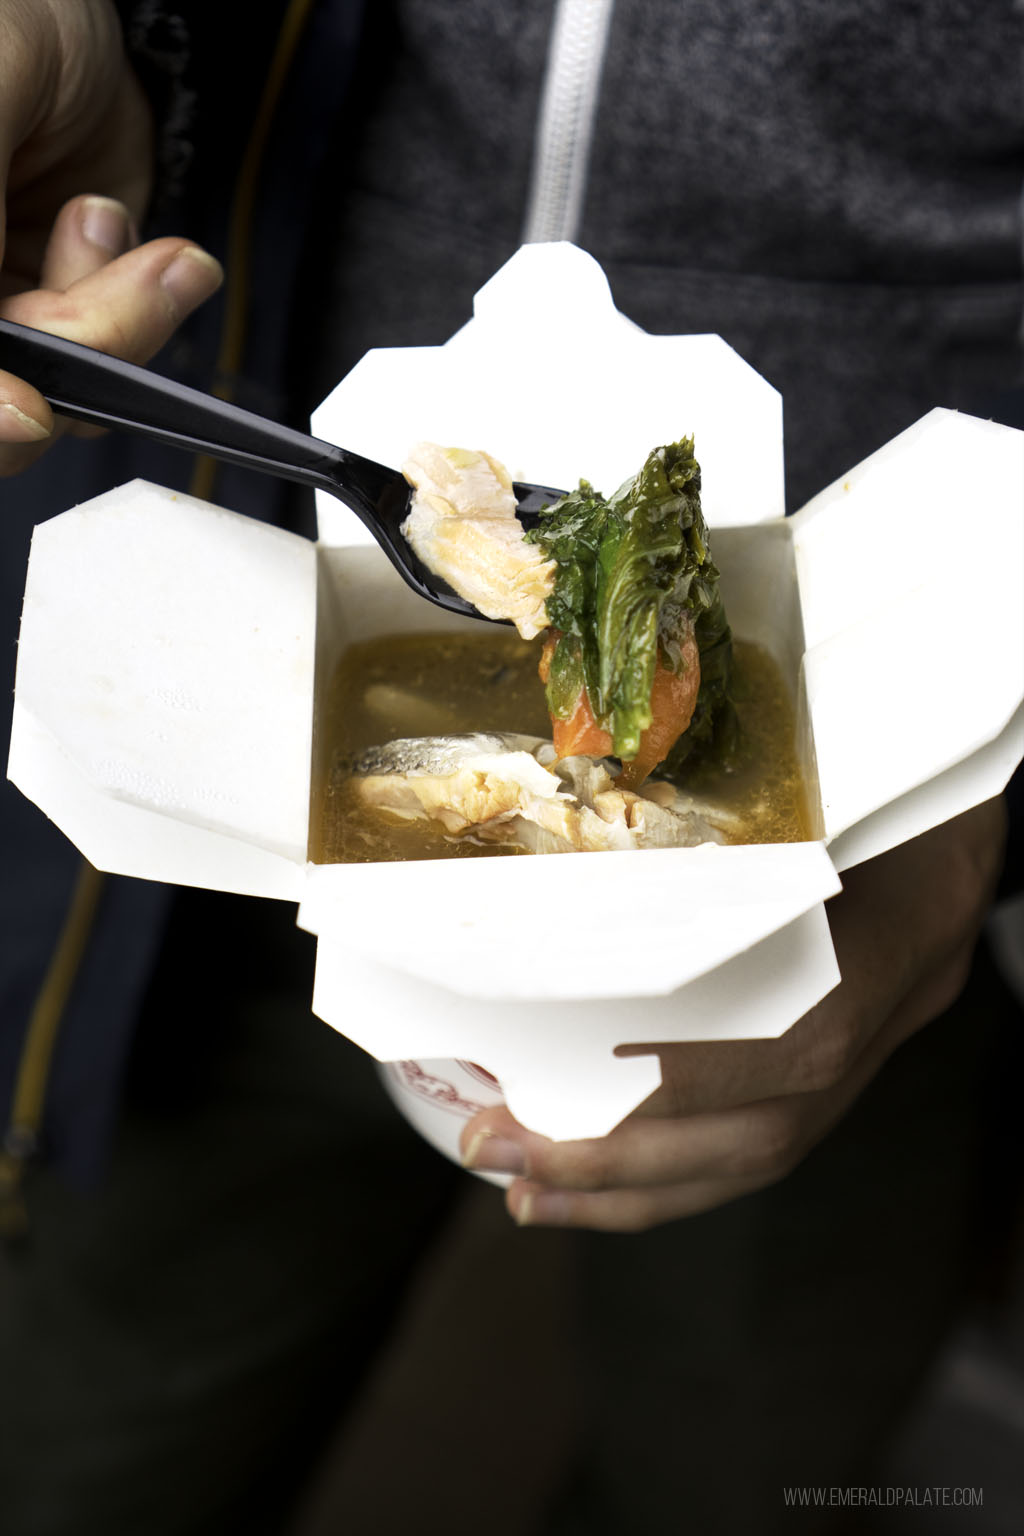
{"points": [[834, 188]]}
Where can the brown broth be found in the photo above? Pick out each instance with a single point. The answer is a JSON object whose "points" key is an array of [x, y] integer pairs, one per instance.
{"points": [[440, 685]]}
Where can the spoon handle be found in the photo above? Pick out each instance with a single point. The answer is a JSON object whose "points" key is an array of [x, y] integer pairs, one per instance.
{"points": [[106, 392]]}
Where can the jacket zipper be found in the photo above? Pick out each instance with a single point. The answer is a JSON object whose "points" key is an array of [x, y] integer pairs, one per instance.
{"points": [[565, 124]]}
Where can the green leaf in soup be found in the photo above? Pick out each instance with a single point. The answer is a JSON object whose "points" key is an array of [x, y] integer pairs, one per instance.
{"points": [[633, 574]]}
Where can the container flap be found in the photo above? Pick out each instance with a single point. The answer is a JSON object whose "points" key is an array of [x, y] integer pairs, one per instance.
{"points": [[572, 925], [556, 1060], [979, 777], [126, 839], [550, 378], [910, 582], [166, 661]]}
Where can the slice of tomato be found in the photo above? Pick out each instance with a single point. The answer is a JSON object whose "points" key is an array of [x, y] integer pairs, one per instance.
{"points": [[673, 699], [580, 735]]}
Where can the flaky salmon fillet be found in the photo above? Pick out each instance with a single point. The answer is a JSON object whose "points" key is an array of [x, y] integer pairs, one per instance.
{"points": [[463, 526]]}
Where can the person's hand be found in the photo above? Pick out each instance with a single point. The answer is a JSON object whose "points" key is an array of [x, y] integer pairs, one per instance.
{"points": [[75, 173], [734, 1116]]}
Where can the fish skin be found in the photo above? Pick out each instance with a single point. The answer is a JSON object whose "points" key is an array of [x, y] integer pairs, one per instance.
{"points": [[435, 754]]}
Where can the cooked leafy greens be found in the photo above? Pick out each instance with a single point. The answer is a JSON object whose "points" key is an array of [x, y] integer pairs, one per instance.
{"points": [[634, 575]]}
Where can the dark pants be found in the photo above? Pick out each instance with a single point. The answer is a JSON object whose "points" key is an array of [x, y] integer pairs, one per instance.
{"points": [[175, 1346]]}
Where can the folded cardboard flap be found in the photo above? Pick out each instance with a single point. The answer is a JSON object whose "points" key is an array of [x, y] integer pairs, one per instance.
{"points": [[937, 506], [575, 925], [550, 378], [556, 1062], [979, 777], [910, 582], [166, 663], [126, 839]]}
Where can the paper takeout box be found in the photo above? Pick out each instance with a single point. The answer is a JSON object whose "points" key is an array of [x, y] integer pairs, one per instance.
{"points": [[172, 654]]}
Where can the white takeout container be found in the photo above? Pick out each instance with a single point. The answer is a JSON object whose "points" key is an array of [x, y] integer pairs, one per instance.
{"points": [[171, 655]]}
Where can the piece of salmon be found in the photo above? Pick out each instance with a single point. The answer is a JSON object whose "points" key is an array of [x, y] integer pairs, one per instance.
{"points": [[463, 525], [506, 788]]}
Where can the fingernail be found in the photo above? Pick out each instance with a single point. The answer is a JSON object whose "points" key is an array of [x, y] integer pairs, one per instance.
{"points": [[494, 1154], [191, 277], [523, 1211], [30, 429], [105, 223], [548, 1209]]}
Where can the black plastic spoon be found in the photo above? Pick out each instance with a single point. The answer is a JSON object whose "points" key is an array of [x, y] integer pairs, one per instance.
{"points": [[104, 391]]}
